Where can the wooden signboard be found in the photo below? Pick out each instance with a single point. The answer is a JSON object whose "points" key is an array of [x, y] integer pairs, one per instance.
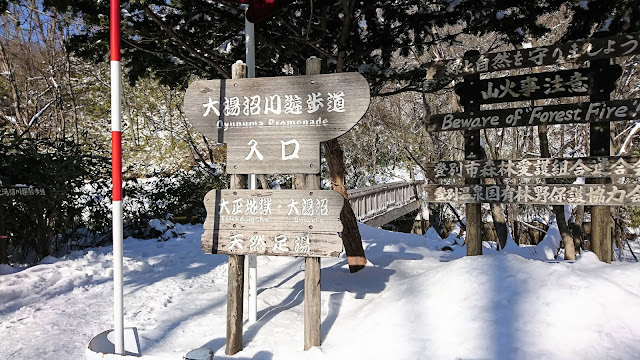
{"points": [[275, 125], [610, 194], [267, 222], [21, 191], [593, 167], [536, 115], [569, 52], [566, 83]]}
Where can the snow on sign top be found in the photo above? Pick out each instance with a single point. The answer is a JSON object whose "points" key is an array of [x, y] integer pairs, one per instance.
{"points": [[574, 51], [311, 107]]}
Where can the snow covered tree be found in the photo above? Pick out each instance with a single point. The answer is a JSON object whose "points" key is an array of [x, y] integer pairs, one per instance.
{"points": [[177, 40]]}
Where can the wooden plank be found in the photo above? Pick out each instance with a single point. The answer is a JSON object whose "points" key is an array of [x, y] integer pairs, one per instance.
{"points": [[609, 194], [312, 303], [260, 210], [473, 151], [547, 85], [573, 51], [235, 273], [319, 107], [602, 166], [357, 193], [589, 112], [280, 155], [235, 286], [312, 295], [277, 243]]}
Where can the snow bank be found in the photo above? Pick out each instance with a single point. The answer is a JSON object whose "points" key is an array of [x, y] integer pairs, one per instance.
{"points": [[412, 301]]}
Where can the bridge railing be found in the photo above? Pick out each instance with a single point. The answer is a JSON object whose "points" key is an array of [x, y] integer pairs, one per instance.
{"points": [[373, 201]]}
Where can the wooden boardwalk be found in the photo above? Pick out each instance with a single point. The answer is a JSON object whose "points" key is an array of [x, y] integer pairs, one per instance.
{"points": [[380, 204]]}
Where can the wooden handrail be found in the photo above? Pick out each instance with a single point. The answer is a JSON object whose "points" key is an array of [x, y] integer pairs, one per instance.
{"points": [[374, 201]]}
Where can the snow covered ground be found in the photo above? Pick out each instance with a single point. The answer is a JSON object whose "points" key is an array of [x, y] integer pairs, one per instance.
{"points": [[412, 301]]}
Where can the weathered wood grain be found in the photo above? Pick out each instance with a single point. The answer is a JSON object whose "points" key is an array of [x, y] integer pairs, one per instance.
{"points": [[235, 278], [574, 51], [279, 154], [473, 151], [278, 243], [257, 210], [610, 194], [589, 112], [312, 303], [345, 99], [604, 166], [232, 225], [235, 286], [312, 295]]}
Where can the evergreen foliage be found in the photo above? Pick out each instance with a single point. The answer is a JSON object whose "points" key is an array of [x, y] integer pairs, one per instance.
{"points": [[179, 39], [37, 224]]}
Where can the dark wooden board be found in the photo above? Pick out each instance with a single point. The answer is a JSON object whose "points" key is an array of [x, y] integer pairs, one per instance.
{"points": [[532, 116], [614, 195], [244, 216], [536, 168], [574, 51], [547, 85]]}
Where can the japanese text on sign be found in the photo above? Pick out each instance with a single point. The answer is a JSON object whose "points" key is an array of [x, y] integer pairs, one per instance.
{"points": [[543, 167], [537, 194], [21, 191], [279, 243], [298, 210], [576, 51], [273, 105]]}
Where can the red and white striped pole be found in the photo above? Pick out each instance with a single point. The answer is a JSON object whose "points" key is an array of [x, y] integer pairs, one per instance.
{"points": [[116, 169]]}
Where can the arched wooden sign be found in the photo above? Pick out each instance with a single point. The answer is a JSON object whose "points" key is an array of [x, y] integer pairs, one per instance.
{"points": [[275, 125]]}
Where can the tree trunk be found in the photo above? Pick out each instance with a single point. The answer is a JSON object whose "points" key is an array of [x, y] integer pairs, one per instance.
{"points": [[335, 159], [497, 214], [576, 227], [567, 239], [511, 221], [350, 234]]}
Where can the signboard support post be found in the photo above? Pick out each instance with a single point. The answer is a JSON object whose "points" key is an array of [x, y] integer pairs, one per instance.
{"points": [[597, 81], [600, 145], [473, 151], [263, 136], [236, 265], [312, 300], [4, 242]]}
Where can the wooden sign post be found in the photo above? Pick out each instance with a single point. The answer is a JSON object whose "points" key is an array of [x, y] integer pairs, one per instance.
{"points": [[275, 126], [473, 151], [600, 145], [596, 81]]}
